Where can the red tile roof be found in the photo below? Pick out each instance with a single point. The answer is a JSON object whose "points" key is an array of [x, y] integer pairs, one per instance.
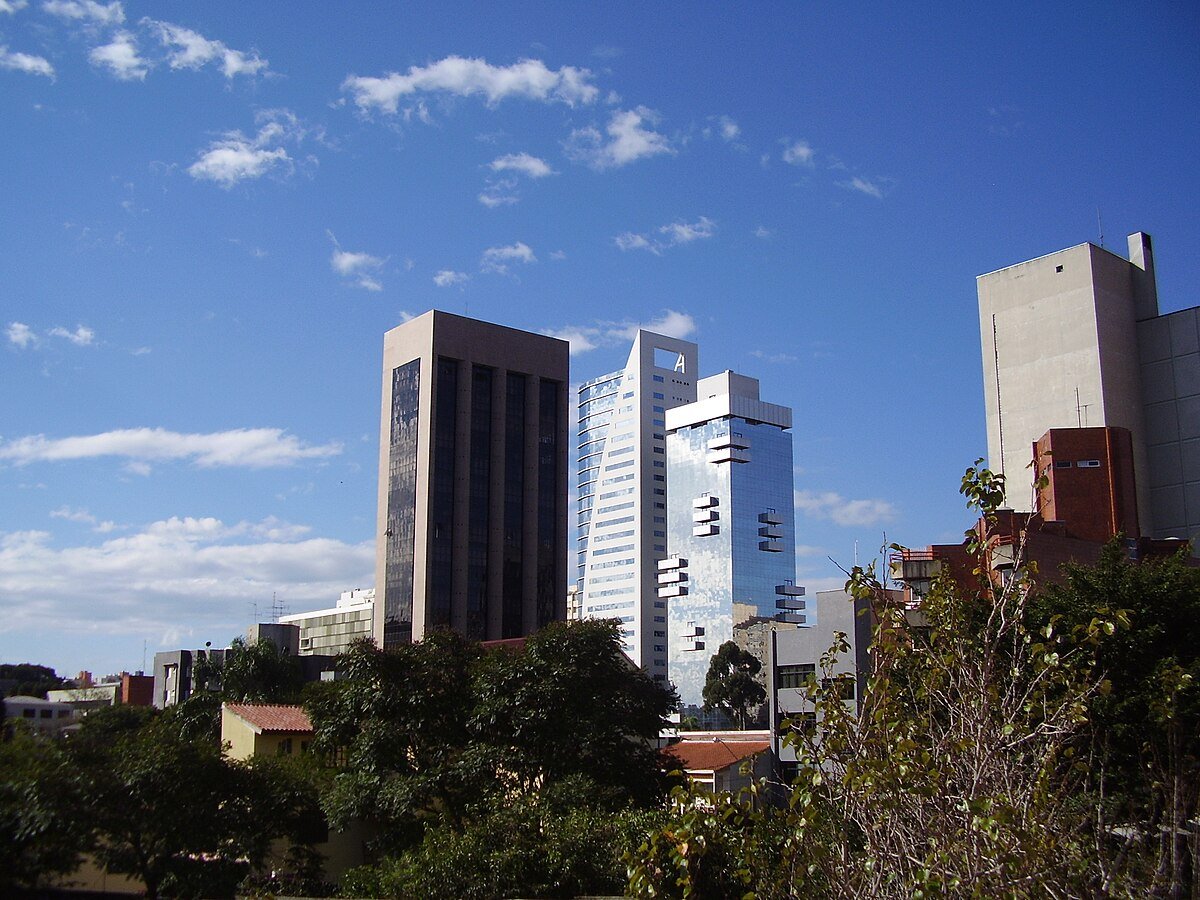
{"points": [[713, 755], [273, 718]]}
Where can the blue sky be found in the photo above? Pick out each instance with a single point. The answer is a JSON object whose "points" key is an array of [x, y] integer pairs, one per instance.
{"points": [[212, 212]]}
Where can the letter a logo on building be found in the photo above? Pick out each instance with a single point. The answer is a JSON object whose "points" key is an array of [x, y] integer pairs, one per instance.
{"points": [[679, 366]]}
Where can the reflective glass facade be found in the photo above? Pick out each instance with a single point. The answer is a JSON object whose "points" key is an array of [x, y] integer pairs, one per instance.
{"points": [[401, 503], [731, 523]]}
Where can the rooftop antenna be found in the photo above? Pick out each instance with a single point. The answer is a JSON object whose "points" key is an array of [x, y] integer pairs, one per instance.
{"points": [[1100, 226], [143, 654], [1080, 410]]}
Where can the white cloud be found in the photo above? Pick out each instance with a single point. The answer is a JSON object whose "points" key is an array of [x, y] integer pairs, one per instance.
{"points": [[798, 153], [24, 62], [528, 78], [726, 128], [121, 58], [21, 335], [627, 140], [610, 334], [84, 517], [496, 259], [190, 50], [137, 583], [501, 192], [863, 187], [235, 157], [449, 278], [762, 232], [835, 507], [82, 336], [256, 448], [356, 266], [523, 163], [12, 6], [774, 357], [86, 11], [558, 254], [672, 235]]}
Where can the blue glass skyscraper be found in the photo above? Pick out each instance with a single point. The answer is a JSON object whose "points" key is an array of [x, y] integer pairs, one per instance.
{"points": [[731, 535]]}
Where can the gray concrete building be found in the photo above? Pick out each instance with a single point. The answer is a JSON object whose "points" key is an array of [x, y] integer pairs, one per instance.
{"points": [[472, 529], [1075, 339]]}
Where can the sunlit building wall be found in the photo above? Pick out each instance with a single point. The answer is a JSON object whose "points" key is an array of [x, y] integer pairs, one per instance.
{"points": [[623, 491]]}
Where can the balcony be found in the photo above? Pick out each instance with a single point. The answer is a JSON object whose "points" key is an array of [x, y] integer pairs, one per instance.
{"points": [[704, 501], [735, 440], [771, 546], [770, 517], [791, 603], [672, 576], [705, 515], [706, 530], [672, 590], [790, 618], [787, 589], [672, 562], [770, 531]]}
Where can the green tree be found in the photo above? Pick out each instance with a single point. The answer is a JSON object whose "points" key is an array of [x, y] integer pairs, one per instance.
{"points": [[1145, 727], [259, 672], [31, 680], [731, 686], [959, 776], [43, 828], [172, 812]]}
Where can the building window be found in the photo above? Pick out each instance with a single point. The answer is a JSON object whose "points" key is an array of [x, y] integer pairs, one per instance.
{"points": [[794, 676], [658, 378], [1088, 464], [1062, 464], [657, 396], [46, 713], [843, 686], [285, 747], [28, 713]]}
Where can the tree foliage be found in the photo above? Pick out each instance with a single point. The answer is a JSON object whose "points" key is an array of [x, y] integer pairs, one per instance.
{"points": [[42, 832], [1145, 728], [960, 775], [731, 686], [30, 679], [259, 672], [439, 737]]}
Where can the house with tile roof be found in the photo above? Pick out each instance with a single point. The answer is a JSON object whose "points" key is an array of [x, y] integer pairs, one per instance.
{"points": [[714, 761], [252, 729]]}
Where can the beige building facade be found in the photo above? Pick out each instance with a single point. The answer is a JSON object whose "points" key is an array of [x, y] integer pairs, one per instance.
{"points": [[472, 521]]}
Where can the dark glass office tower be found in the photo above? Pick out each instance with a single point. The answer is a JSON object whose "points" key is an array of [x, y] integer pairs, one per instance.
{"points": [[472, 519]]}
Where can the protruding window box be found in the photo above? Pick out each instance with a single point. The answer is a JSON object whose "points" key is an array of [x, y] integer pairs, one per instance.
{"points": [[672, 576], [698, 645], [705, 515], [705, 501], [771, 546], [737, 441], [729, 454], [790, 618], [790, 603], [673, 590], [770, 517], [706, 530], [672, 562], [788, 589], [770, 531]]}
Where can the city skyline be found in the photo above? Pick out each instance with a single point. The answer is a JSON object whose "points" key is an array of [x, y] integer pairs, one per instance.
{"points": [[213, 217]]}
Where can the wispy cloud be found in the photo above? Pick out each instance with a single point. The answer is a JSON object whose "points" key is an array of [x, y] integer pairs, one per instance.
{"points": [[496, 259], [137, 582], [775, 358], [82, 336], [723, 127], [120, 57], [836, 508], [356, 267], [798, 153], [762, 232], [583, 338], [499, 192], [863, 186], [628, 139], [189, 50], [528, 78], [86, 11], [235, 157], [256, 448], [666, 236], [21, 335], [83, 517], [25, 62], [528, 165], [12, 6], [449, 278]]}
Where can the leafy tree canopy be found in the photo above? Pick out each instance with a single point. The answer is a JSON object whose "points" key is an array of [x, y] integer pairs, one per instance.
{"points": [[730, 685]]}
